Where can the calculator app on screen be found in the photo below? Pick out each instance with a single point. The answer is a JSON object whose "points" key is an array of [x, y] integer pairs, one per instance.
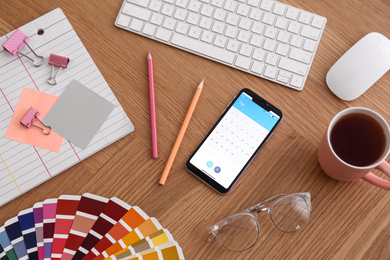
{"points": [[234, 140]]}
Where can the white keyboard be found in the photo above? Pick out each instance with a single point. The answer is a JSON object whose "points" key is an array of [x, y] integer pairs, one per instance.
{"points": [[265, 38]]}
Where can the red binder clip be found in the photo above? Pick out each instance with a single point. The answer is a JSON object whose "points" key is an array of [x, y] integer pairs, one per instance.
{"points": [[59, 61], [29, 118], [16, 42]]}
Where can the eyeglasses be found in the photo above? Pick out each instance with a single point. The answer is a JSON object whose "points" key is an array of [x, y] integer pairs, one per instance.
{"points": [[240, 231]]}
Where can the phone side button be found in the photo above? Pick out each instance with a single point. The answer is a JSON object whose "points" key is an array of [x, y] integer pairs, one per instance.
{"points": [[226, 107]]}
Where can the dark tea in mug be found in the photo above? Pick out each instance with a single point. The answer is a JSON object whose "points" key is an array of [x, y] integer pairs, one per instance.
{"points": [[358, 139]]}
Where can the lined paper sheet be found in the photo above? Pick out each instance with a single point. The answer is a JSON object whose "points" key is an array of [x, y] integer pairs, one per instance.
{"points": [[22, 166]]}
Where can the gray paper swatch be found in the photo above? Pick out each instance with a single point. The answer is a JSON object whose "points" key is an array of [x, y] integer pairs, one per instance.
{"points": [[78, 114]]}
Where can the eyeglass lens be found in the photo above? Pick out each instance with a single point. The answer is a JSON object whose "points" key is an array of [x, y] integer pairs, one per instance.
{"points": [[240, 234], [290, 213]]}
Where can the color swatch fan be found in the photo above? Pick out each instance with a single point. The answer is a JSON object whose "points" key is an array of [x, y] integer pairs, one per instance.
{"points": [[86, 227]]}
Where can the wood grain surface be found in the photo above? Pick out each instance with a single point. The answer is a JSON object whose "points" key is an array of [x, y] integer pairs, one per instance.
{"points": [[349, 220]]}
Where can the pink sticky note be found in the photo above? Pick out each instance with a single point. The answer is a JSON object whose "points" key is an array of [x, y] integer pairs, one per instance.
{"points": [[42, 102]]}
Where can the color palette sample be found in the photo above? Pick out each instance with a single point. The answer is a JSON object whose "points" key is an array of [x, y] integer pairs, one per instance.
{"points": [[66, 210], [85, 227], [27, 224]]}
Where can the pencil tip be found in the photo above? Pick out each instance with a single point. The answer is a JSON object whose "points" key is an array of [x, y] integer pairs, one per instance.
{"points": [[201, 84]]}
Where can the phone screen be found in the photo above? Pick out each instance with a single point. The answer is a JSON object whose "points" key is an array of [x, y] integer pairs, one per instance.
{"points": [[235, 139]]}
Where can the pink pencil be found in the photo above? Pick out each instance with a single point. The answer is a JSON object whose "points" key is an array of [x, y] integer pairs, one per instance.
{"points": [[152, 107]]}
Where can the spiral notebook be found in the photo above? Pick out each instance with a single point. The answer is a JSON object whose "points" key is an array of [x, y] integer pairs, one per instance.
{"points": [[22, 166]]}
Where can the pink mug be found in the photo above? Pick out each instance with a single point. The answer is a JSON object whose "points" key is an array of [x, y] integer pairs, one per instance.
{"points": [[338, 169]]}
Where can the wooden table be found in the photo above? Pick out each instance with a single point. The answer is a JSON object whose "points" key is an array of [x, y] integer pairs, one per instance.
{"points": [[348, 221]]}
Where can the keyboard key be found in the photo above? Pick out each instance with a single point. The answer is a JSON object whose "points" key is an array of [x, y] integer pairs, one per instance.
{"points": [[266, 5], [194, 6], [246, 50], [270, 32], [300, 55], [194, 32], [256, 40], [281, 23], [282, 79], [203, 48], [309, 45], [231, 32], [284, 73], [142, 3], [294, 27], [136, 24], [257, 67], [297, 81], [157, 19], [205, 23], [269, 45], [168, 10], [293, 66], [137, 11], [256, 14], [169, 23], [207, 36], [217, 3], [310, 33], [282, 49], [270, 72], [279, 9], [182, 3], [155, 5], [242, 62], [163, 34], [232, 19], [318, 22], [207, 10], [243, 10], [220, 15], [268, 18], [233, 45], [283, 76], [296, 41], [180, 14], [258, 28], [243, 36], [254, 3], [149, 29], [124, 20], [193, 18], [272, 59], [258, 54], [218, 27], [182, 28], [305, 17], [245, 23], [292, 13], [230, 5], [283, 36], [220, 41]]}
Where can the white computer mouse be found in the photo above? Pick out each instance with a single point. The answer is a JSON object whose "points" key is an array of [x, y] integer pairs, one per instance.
{"points": [[360, 67]]}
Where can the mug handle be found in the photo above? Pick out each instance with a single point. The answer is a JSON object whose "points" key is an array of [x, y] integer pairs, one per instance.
{"points": [[377, 181]]}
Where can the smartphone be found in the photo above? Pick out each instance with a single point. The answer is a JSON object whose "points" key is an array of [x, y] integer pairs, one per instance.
{"points": [[234, 140]]}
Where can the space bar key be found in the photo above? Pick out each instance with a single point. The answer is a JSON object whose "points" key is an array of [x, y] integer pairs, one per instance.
{"points": [[203, 48]]}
